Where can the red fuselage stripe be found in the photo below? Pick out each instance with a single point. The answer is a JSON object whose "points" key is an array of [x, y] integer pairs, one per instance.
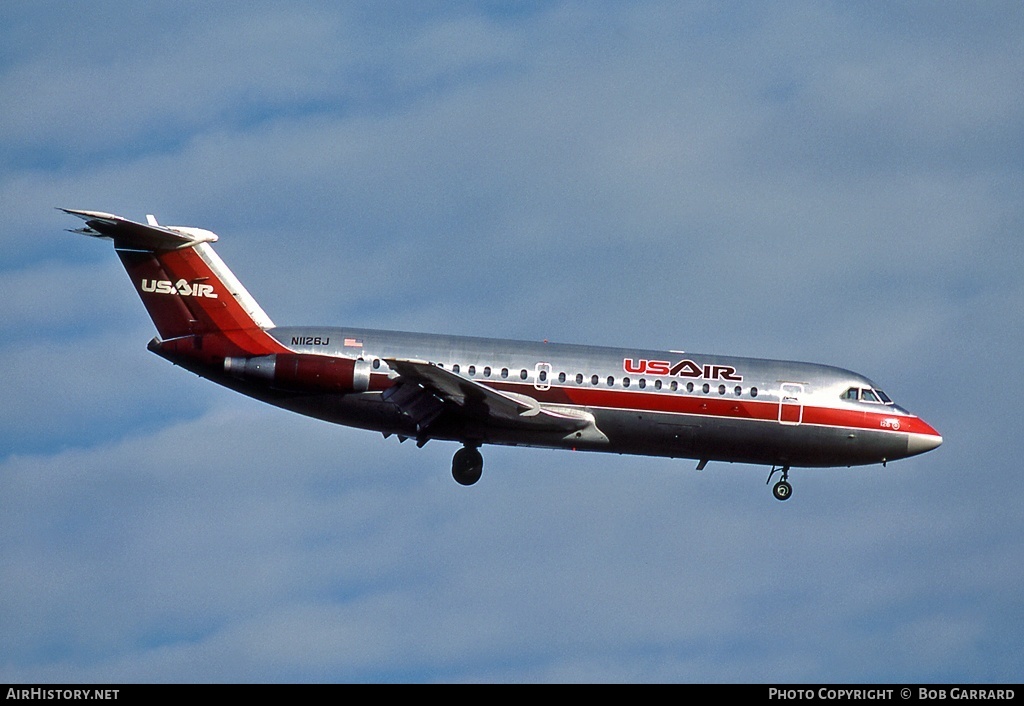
{"points": [[717, 406]]}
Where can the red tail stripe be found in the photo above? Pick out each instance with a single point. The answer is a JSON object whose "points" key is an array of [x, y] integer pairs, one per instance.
{"points": [[221, 315], [215, 312]]}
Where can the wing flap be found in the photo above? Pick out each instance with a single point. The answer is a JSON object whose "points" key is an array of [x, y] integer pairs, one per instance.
{"points": [[508, 409], [459, 390]]}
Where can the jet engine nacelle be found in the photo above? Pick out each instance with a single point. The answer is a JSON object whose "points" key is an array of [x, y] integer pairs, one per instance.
{"points": [[303, 372]]}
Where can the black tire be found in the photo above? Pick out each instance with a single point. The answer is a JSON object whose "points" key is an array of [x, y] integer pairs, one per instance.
{"points": [[782, 490], [467, 466]]}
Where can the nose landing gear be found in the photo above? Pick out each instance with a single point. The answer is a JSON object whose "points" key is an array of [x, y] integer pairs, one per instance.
{"points": [[467, 465], [781, 490]]}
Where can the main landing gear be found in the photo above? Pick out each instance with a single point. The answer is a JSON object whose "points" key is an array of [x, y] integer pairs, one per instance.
{"points": [[467, 465], [782, 490]]}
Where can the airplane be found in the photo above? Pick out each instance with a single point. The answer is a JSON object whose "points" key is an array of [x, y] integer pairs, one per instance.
{"points": [[478, 391]]}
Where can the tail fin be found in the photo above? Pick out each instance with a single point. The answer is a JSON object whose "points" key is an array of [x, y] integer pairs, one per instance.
{"points": [[193, 298]]}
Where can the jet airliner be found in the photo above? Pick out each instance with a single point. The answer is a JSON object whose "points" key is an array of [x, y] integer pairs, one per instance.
{"points": [[478, 391]]}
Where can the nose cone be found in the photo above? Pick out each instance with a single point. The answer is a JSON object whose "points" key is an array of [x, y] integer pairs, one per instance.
{"points": [[922, 438], [919, 443]]}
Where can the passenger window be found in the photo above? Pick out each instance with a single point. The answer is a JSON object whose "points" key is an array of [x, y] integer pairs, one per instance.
{"points": [[674, 385], [753, 392], [561, 377], [657, 384], [543, 375], [594, 379], [706, 388], [738, 390], [455, 368], [611, 381], [625, 382], [689, 387], [579, 378], [642, 383], [487, 371], [721, 389], [523, 374]]}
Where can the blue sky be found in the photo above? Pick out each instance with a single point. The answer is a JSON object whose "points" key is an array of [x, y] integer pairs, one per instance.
{"points": [[814, 181]]}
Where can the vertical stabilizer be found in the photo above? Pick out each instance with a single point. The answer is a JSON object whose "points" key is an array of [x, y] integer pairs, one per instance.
{"points": [[191, 295]]}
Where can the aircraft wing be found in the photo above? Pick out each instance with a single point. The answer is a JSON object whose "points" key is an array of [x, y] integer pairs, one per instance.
{"points": [[508, 409]]}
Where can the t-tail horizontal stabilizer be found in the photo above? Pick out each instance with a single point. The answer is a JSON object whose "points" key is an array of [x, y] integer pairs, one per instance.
{"points": [[130, 235]]}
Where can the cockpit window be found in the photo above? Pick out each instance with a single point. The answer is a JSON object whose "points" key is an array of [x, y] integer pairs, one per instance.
{"points": [[866, 394]]}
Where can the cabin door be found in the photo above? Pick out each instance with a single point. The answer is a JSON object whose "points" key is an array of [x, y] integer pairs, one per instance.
{"points": [[791, 406]]}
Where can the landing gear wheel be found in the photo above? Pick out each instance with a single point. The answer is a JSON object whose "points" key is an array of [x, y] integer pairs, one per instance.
{"points": [[782, 490], [467, 465]]}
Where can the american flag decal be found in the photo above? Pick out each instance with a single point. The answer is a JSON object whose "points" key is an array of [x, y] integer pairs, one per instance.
{"points": [[353, 343]]}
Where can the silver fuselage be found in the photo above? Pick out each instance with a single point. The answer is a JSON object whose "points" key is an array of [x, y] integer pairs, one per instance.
{"points": [[660, 403]]}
